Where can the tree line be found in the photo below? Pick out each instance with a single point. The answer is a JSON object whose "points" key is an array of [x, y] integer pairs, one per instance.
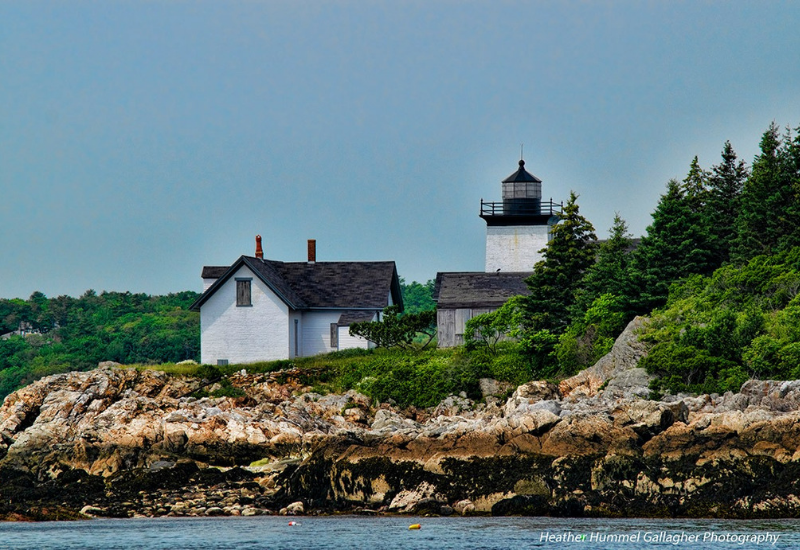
{"points": [[66, 333]]}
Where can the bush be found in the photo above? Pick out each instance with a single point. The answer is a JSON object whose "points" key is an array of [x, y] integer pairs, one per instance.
{"points": [[688, 369], [395, 330], [589, 339], [743, 321]]}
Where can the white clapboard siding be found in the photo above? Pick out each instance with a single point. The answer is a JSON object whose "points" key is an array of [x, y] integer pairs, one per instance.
{"points": [[316, 330], [349, 342]]}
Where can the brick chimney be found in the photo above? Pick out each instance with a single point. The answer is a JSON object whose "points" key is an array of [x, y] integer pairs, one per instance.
{"points": [[259, 250], [312, 251]]}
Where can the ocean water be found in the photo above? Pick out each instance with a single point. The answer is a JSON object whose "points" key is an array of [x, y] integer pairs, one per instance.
{"points": [[349, 532]]}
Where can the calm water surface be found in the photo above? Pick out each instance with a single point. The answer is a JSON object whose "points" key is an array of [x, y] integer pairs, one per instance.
{"points": [[347, 532]]}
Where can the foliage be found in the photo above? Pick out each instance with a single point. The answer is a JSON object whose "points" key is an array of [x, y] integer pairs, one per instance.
{"points": [[693, 187], [588, 339], [539, 347], [609, 274], [768, 221], [676, 245], [555, 280], [77, 333], [394, 330], [718, 331], [419, 379], [417, 297], [488, 329], [723, 202]]}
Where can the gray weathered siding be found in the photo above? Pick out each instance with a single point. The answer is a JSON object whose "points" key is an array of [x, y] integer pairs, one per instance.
{"points": [[452, 323]]}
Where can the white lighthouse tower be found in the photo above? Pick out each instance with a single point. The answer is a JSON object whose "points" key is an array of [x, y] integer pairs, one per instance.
{"points": [[517, 228]]}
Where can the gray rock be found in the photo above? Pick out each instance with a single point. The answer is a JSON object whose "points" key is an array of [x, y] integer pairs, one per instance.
{"points": [[550, 405], [624, 356], [93, 511], [295, 508], [162, 465], [453, 405], [494, 388]]}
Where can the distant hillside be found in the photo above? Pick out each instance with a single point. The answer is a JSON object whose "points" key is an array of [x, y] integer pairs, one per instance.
{"points": [[42, 336]]}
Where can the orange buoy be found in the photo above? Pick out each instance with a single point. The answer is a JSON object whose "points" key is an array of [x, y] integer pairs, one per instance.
{"points": [[415, 526]]}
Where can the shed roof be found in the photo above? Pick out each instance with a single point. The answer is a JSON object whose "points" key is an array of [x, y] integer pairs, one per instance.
{"points": [[318, 285], [475, 289]]}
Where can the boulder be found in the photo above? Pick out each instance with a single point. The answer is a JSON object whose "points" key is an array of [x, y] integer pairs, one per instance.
{"points": [[295, 509], [617, 368], [494, 388], [464, 507]]}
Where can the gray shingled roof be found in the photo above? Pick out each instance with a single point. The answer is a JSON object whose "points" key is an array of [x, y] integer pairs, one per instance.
{"points": [[475, 289], [305, 285]]}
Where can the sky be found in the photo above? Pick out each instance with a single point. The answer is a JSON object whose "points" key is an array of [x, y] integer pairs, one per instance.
{"points": [[140, 141]]}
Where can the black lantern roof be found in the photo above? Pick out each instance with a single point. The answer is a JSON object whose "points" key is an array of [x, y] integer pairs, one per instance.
{"points": [[522, 175]]}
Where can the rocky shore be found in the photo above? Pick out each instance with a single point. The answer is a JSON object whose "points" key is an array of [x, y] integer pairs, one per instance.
{"points": [[122, 443]]}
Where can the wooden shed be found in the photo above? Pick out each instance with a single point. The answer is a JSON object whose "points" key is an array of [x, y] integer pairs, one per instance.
{"points": [[460, 296]]}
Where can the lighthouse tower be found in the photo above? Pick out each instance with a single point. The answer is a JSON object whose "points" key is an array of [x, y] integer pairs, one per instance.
{"points": [[518, 227]]}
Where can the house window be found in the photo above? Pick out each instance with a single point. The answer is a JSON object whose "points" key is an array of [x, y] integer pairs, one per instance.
{"points": [[243, 292], [334, 335]]}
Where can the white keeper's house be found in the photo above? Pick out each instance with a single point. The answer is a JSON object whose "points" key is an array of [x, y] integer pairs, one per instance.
{"points": [[262, 310]]}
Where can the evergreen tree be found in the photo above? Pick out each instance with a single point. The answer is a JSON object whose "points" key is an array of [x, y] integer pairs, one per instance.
{"points": [[767, 221], [676, 246], [570, 252], [609, 274], [723, 202], [693, 186], [792, 170]]}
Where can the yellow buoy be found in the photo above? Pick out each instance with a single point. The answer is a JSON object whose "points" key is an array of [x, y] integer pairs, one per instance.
{"points": [[415, 526]]}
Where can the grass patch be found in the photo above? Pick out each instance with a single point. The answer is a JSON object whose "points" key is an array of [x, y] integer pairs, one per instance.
{"points": [[418, 378]]}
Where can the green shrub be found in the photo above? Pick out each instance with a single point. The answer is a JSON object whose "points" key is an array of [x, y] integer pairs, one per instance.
{"points": [[761, 355], [688, 369], [586, 341]]}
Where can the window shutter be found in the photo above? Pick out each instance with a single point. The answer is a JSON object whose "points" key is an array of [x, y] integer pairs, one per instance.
{"points": [[243, 293]]}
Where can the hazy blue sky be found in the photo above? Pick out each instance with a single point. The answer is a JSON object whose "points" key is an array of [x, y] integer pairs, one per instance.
{"points": [[142, 140]]}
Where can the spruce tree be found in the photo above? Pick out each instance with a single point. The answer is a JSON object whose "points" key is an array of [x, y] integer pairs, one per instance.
{"points": [[555, 279], [723, 202], [767, 221], [609, 274], [693, 186], [792, 171], [675, 246]]}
